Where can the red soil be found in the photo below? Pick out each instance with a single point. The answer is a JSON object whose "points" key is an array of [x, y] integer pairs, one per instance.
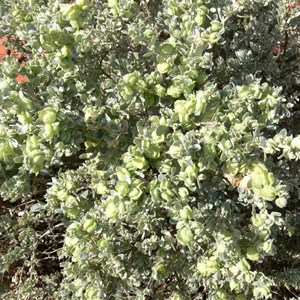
{"points": [[19, 78]]}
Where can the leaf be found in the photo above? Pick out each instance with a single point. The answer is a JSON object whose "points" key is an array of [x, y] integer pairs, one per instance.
{"points": [[37, 207]]}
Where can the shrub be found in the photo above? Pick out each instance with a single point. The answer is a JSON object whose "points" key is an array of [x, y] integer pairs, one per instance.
{"points": [[163, 140]]}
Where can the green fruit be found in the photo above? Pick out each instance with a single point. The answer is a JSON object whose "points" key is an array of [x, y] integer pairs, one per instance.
{"points": [[167, 49], [271, 179], [160, 271], [131, 78], [244, 265], [281, 202], [222, 295], [268, 193], [65, 50], [259, 169], [183, 192], [174, 10], [257, 181], [257, 221], [24, 103], [207, 268], [259, 292], [122, 188], [71, 200], [38, 159], [59, 37], [74, 13], [82, 3], [75, 24], [62, 195], [174, 151], [123, 174], [6, 150], [186, 213], [233, 284], [72, 212], [140, 86], [135, 193], [14, 95], [180, 106], [176, 297], [264, 234], [213, 38], [201, 105], [128, 91], [159, 90], [191, 170], [102, 244], [259, 246], [267, 246], [69, 242], [227, 235], [139, 162], [215, 25], [174, 91], [92, 293], [200, 18], [149, 33], [32, 143], [90, 225], [163, 68], [184, 236], [24, 118], [112, 3], [48, 47], [65, 9], [296, 142], [202, 267], [48, 115], [253, 254], [49, 131], [291, 230], [111, 210]]}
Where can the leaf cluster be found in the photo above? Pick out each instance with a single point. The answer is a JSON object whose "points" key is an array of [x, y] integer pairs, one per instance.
{"points": [[150, 155]]}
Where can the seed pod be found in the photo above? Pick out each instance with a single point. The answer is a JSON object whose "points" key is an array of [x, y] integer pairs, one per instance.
{"points": [[184, 236], [253, 254], [111, 210], [48, 115], [122, 188], [90, 225]]}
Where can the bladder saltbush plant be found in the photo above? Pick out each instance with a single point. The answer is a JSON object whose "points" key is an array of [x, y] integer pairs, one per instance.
{"points": [[169, 131]]}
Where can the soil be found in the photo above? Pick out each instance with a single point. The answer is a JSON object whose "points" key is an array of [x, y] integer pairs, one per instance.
{"points": [[19, 78]]}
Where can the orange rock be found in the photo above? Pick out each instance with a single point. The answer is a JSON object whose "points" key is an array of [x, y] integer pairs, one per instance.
{"points": [[21, 78]]}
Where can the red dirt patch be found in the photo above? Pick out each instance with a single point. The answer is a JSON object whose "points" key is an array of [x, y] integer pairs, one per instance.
{"points": [[19, 78]]}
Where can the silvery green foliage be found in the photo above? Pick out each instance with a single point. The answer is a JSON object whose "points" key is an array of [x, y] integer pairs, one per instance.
{"points": [[169, 124]]}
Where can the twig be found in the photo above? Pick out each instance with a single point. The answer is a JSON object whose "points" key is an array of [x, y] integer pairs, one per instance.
{"points": [[100, 64], [147, 9], [50, 230]]}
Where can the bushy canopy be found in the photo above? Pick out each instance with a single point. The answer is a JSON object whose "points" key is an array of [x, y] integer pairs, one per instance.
{"points": [[163, 136]]}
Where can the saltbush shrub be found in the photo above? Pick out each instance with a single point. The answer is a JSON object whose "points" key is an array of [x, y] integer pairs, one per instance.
{"points": [[153, 152]]}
